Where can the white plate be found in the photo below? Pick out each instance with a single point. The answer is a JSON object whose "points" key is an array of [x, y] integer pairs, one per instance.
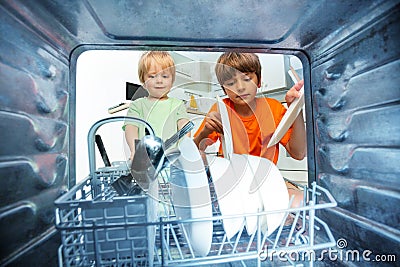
{"points": [[251, 201], [191, 196], [226, 140], [287, 119], [228, 194], [271, 186]]}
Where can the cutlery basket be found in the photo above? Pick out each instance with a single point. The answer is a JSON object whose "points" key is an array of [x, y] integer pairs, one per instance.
{"points": [[105, 229], [99, 227]]}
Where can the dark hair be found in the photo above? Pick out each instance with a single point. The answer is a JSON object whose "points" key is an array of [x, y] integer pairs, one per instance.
{"points": [[229, 63]]}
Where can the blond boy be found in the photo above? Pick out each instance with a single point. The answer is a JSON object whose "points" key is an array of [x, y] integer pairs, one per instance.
{"points": [[166, 115]]}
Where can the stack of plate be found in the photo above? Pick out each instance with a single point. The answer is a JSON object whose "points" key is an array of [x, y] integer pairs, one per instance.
{"points": [[246, 185]]}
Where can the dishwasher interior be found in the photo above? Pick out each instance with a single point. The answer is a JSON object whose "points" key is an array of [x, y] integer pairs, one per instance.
{"points": [[350, 57], [102, 225]]}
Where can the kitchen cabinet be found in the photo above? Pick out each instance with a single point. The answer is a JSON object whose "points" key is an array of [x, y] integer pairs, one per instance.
{"points": [[291, 169], [186, 67], [274, 72], [191, 74], [196, 75]]}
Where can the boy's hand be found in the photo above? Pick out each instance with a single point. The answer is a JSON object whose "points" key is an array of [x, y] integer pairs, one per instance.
{"points": [[293, 92], [213, 123]]}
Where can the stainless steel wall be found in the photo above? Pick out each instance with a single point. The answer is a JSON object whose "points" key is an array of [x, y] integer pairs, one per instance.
{"points": [[35, 128], [356, 93]]}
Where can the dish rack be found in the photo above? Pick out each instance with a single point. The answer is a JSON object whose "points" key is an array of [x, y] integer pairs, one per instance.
{"points": [[101, 228]]}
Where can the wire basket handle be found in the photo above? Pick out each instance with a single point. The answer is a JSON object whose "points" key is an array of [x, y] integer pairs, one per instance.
{"points": [[91, 141]]}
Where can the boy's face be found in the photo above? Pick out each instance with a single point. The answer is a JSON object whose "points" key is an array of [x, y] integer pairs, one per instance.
{"points": [[242, 88], [158, 82]]}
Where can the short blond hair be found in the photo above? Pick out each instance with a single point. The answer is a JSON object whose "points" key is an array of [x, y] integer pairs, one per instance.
{"points": [[161, 58], [231, 62]]}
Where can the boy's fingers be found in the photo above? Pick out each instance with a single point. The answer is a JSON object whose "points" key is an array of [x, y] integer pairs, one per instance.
{"points": [[215, 124]]}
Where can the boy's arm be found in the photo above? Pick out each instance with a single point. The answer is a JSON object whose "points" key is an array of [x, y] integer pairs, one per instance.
{"points": [[131, 134], [296, 146], [297, 142]]}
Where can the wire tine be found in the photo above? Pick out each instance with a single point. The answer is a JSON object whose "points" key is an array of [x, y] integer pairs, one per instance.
{"points": [[282, 224], [238, 237], [250, 241], [177, 243], [186, 237], [292, 228], [222, 244], [164, 242]]}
